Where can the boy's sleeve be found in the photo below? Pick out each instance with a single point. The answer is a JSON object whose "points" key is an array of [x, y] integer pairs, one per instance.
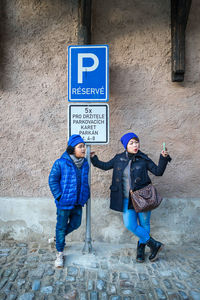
{"points": [[54, 180]]}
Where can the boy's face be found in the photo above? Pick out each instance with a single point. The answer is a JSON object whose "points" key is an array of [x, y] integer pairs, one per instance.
{"points": [[80, 150], [133, 146]]}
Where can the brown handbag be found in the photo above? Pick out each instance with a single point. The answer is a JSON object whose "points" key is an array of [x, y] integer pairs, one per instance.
{"points": [[145, 199]]}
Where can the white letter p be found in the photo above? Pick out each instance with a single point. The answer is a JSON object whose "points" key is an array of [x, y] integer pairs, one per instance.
{"points": [[82, 69]]}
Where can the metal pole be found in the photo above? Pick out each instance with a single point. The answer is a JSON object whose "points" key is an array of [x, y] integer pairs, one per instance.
{"points": [[84, 37], [88, 240]]}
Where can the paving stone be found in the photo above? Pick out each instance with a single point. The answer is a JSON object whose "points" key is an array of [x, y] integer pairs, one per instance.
{"points": [[143, 276], [155, 281], [173, 296], [104, 275], [20, 282], [42, 251], [126, 283], [83, 296], [112, 289], [82, 272], [93, 295], [114, 277], [71, 295], [2, 296], [32, 259], [90, 285], [21, 245], [115, 298], [125, 259], [23, 251], [72, 271], [36, 285], [70, 278], [195, 295], [183, 295], [22, 274], [92, 275], [104, 265], [103, 296], [7, 272], [167, 283], [50, 272], [3, 282], [101, 285], [124, 276], [7, 288], [179, 285], [36, 274], [27, 296], [127, 292], [11, 296], [160, 293], [47, 289]]}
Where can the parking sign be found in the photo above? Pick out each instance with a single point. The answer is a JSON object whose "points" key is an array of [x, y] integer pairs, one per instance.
{"points": [[88, 78], [91, 121]]}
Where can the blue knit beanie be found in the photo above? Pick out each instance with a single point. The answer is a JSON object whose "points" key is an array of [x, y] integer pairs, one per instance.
{"points": [[75, 139], [127, 137]]}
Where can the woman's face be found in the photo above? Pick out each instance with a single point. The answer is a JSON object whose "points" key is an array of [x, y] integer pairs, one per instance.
{"points": [[133, 146], [80, 150]]}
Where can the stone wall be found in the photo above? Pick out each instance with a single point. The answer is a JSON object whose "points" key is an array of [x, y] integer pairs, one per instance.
{"points": [[33, 89]]}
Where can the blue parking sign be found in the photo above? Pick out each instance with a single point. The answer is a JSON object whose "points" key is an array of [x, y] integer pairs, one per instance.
{"points": [[88, 73]]}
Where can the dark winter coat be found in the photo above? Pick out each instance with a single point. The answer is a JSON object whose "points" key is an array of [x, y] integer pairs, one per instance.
{"points": [[63, 183], [140, 166]]}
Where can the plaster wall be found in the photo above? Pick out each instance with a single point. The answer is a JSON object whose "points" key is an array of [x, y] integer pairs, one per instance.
{"points": [[33, 108]]}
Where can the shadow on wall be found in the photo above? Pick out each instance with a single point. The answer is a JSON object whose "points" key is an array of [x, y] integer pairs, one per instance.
{"points": [[29, 22]]}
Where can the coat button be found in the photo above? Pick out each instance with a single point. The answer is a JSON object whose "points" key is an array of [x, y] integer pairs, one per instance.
{"points": [[117, 180], [118, 168]]}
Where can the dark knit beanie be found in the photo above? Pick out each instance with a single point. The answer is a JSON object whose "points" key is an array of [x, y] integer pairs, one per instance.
{"points": [[127, 137]]}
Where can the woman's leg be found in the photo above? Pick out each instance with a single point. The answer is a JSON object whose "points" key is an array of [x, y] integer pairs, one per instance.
{"points": [[144, 221], [130, 222]]}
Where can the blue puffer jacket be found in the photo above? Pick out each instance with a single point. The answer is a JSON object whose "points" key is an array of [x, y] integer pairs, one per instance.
{"points": [[63, 182]]}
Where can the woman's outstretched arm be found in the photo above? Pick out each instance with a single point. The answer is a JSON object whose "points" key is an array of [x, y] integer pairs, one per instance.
{"points": [[101, 164]]}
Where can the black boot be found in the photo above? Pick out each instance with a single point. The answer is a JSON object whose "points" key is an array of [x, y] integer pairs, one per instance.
{"points": [[155, 247], [140, 253]]}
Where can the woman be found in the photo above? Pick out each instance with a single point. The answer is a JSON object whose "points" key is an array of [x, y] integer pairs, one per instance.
{"points": [[68, 181], [134, 165]]}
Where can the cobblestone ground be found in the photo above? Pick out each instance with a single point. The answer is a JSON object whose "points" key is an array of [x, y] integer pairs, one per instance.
{"points": [[27, 272]]}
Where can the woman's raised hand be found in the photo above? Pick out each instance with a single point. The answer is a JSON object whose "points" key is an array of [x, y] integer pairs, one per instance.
{"points": [[164, 153], [92, 154]]}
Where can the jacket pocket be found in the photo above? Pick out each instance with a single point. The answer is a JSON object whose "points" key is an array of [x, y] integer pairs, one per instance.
{"points": [[114, 188]]}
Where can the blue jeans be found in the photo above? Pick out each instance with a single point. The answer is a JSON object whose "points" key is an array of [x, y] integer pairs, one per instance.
{"points": [[67, 221], [131, 219]]}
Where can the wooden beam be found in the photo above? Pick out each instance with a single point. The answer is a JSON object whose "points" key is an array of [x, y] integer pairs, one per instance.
{"points": [[84, 17], [179, 15]]}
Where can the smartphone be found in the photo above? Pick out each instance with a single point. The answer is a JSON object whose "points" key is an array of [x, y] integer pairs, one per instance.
{"points": [[163, 146]]}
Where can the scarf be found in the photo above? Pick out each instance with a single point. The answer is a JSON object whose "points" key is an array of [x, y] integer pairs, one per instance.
{"points": [[77, 161]]}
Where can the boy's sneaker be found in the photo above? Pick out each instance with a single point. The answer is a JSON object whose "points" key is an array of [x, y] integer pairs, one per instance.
{"points": [[59, 260], [52, 240]]}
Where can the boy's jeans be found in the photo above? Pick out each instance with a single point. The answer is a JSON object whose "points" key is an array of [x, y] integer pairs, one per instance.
{"points": [[67, 221], [130, 221]]}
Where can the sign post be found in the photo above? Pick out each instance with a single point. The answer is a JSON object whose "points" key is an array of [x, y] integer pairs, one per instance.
{"points": [[88, 81]]}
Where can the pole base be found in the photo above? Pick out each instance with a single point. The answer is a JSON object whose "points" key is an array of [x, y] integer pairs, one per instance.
{"points": [[88, 248]]}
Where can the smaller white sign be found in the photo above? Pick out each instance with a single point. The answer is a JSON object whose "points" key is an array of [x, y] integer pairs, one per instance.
{"points": [[90, 121]]}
